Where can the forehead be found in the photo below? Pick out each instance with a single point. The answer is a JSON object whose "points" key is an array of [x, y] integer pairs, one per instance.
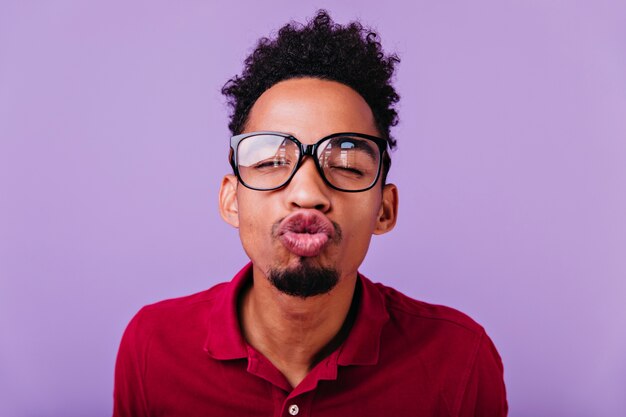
{"points": [[310, 108]]}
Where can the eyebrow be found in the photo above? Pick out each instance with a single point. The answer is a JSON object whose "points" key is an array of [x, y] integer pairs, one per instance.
{"points": [[358, 143]]}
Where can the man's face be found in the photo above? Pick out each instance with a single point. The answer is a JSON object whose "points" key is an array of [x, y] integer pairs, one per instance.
{"points": [[308, 109]]}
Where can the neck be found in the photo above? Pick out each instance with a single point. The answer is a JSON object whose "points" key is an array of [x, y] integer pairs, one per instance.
{"points": [[291, 332]]}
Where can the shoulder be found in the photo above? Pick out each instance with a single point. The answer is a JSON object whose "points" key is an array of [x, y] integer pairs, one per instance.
{"points": [[401, 306], [165, 315], [434, 333], [450, 347], [186, 302]]}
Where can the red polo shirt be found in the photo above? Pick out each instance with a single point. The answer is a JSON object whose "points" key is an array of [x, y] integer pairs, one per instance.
{"points": [[187, 357]]}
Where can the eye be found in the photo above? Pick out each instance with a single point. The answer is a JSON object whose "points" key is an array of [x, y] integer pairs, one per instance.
{"points": [[347, 170], [272, 163]]}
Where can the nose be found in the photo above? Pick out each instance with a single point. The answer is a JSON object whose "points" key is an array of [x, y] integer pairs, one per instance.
{"points": [[307, 189]]}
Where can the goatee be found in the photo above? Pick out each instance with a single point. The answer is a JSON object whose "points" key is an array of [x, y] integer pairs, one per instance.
{"points": [[305, 280]]}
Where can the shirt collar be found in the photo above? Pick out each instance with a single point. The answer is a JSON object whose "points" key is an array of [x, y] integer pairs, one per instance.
{"points": [[362, 346], [225, 341]]}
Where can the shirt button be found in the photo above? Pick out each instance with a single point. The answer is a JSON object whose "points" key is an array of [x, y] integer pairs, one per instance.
{"points": [[294, 410]]}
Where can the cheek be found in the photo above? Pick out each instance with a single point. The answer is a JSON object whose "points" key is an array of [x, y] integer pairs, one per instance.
{"points": [[256, 217], [248, 217], [359, 234], [360, 221]]}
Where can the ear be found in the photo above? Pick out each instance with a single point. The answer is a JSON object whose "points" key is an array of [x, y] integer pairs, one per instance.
{"points": [[229, 208], [388, 213]]}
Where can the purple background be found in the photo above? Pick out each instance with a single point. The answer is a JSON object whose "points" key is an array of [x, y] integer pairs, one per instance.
{"points": [[511, 168]]}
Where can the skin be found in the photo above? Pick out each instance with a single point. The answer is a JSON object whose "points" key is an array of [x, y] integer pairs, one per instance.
{"points": [[291, 331]]}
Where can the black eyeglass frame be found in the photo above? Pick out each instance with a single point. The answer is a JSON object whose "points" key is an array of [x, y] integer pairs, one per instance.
{"points": [[306, 149]]}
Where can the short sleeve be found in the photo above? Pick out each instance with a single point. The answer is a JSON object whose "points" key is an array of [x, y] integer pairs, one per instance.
{"points": [[129, 398], [485, 393]]}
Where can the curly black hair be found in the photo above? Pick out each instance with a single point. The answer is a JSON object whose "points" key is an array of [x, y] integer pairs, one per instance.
{"points": [[350, 54]]}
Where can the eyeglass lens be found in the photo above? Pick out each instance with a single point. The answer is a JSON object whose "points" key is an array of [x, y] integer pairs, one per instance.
{"points": [[267, 161]]}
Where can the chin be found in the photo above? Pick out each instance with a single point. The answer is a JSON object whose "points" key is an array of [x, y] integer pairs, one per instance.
{"points": [[305, 279]]}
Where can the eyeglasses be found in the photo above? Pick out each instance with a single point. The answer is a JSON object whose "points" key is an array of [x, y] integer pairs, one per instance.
{"points": [[267, 161]]}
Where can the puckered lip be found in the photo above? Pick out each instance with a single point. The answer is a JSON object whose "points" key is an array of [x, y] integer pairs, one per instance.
{"points": [[305, 233], [306, 221]]}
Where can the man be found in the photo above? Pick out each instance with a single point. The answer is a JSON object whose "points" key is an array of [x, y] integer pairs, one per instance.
{"points": [[299, 331]]}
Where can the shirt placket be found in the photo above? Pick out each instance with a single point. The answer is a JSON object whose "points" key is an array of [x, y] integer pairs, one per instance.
{"points": [[289, 405], [288, 402]]}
